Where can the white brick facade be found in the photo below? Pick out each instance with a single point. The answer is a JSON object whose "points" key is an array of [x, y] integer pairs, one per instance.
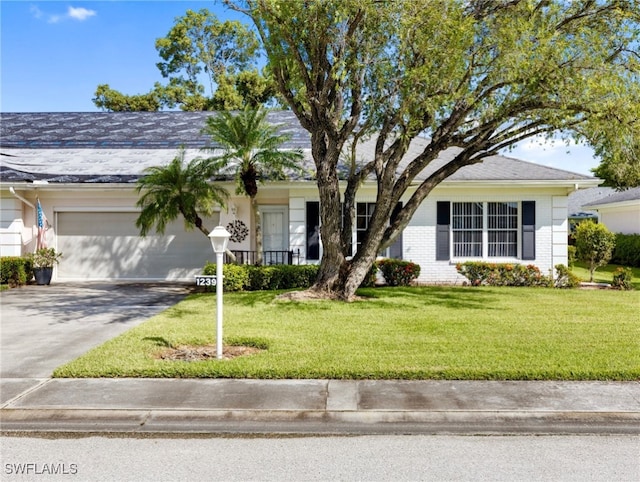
{"points": [[550, 234]]}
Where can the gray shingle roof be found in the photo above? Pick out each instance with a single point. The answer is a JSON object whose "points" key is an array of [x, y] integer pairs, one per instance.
{"points": [[578, 199], [121, 130], [112, 147], [632, 194]]}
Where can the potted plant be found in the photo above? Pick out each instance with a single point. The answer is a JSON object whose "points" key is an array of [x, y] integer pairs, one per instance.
{"points": [[43, 261]]}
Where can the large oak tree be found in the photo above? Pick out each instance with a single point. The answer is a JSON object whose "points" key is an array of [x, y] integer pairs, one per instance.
{"points": [[479, 75]]}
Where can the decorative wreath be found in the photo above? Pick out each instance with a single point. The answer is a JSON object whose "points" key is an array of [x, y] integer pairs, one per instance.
{"points": [[238, 231]]}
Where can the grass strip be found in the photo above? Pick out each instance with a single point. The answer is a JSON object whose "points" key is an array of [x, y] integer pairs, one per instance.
{"points": [[395, 333]]}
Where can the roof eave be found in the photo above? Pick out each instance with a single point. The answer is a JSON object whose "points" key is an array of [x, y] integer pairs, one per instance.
{"points": [[75, 186], [618, 204], [572, 184]]}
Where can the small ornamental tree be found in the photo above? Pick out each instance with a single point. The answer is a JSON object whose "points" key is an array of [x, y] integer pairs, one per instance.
{"points": [[594, 245], [181, 188]]}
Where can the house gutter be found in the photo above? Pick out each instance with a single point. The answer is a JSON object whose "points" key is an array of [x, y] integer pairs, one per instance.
{"points": [[570, 185], [13, 191]]}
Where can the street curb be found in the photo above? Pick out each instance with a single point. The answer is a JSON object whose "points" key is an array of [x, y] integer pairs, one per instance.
{"points": [[313, 422]]}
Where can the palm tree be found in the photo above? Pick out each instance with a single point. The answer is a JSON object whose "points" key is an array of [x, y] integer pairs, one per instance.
{"points": [[251, 146], [180, 188]]}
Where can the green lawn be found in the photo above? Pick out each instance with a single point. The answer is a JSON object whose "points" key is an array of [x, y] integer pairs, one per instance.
{"points": [[604, 274], [397, 333]]}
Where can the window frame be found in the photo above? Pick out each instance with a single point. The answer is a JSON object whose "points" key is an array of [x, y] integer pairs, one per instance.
{"points": [[364, 219], [464, 221]]}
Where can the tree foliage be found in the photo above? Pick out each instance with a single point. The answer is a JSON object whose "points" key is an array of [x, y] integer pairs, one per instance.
{"points": [[109, 99], [252, 148], [179, 189], [209, 64], [594, 244], [620, 166], [477, 76]]}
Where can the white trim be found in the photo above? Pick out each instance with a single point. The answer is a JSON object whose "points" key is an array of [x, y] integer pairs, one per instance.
{"points": [[95, 209], [105, 209]]}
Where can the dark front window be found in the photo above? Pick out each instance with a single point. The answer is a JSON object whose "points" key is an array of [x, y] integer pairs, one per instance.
{"points": [[502, 219], [313, 230], [484, 229], [364, 211], [467, 222]]}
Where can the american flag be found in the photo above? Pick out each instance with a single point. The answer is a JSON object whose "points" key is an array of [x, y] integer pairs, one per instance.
{"points": [[42, 226]]}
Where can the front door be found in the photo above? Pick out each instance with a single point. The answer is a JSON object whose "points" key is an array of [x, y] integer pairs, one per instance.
{"points": [[275, 233], [274, 228]]}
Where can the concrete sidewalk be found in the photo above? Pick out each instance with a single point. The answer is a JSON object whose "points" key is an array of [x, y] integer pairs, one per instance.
{"points": [[215, 406]]}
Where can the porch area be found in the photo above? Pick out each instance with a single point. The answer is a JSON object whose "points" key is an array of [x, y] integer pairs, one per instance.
{"points": [[268, 257]]}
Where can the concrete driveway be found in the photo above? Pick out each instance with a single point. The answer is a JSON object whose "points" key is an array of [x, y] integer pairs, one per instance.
{"points": [[43, 327]]}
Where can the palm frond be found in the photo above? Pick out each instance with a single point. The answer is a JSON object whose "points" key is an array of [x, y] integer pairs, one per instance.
{"points": [[179, 188], [252, 147]]}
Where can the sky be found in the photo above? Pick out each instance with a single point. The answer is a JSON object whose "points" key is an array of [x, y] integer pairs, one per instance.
{"points": [[54, 54]]}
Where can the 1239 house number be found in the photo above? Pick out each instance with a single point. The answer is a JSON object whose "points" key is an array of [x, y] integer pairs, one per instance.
{"points": [[206, 281]]}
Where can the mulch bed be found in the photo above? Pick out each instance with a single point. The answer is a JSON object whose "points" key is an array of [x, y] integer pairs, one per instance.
{"points": [[208, 352]]}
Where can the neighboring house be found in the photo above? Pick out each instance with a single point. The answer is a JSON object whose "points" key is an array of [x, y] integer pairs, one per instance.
{"points": [[578, 199], [83, 167], [619, 211]]}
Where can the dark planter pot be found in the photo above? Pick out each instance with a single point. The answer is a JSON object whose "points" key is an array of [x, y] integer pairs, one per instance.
{"points": [[43, 275]]}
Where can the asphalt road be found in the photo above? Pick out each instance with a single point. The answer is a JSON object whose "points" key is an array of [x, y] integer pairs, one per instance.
{"points": [[378, 458]]}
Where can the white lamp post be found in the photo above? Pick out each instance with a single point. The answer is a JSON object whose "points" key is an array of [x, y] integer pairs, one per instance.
{"points": [[219, 239]]}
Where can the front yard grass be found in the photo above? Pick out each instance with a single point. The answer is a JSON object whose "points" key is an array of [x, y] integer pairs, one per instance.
{"points": [[397, 333], [604, 274]]}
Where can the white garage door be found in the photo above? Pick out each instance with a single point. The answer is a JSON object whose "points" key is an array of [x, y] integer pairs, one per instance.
{"points": [[107, 245]]}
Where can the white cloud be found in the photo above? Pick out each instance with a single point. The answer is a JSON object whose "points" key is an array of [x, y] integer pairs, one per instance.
{"points": [[569, 156], [80, 13], [35, 11], [73, 13]]}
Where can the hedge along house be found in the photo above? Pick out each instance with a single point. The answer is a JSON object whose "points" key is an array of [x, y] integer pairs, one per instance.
{"points": [[83, 168]]}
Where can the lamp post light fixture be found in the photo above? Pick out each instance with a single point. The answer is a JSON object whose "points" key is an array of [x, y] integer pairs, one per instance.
{"points": [[219, 239]]}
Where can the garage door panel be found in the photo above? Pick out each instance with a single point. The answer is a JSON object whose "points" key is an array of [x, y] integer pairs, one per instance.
{"points": [[107, 246]]}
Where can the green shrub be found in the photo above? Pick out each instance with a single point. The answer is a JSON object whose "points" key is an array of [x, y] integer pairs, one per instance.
{"points": [[369, 280], [627, 250], [236, 277], [15, 270], [565, 278], [475, 271], [594, 245], [298, 276], [397, 272], [257, 278], [261, 278], [282, 277], [502, 274], [622, 278], [571, 254]]}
